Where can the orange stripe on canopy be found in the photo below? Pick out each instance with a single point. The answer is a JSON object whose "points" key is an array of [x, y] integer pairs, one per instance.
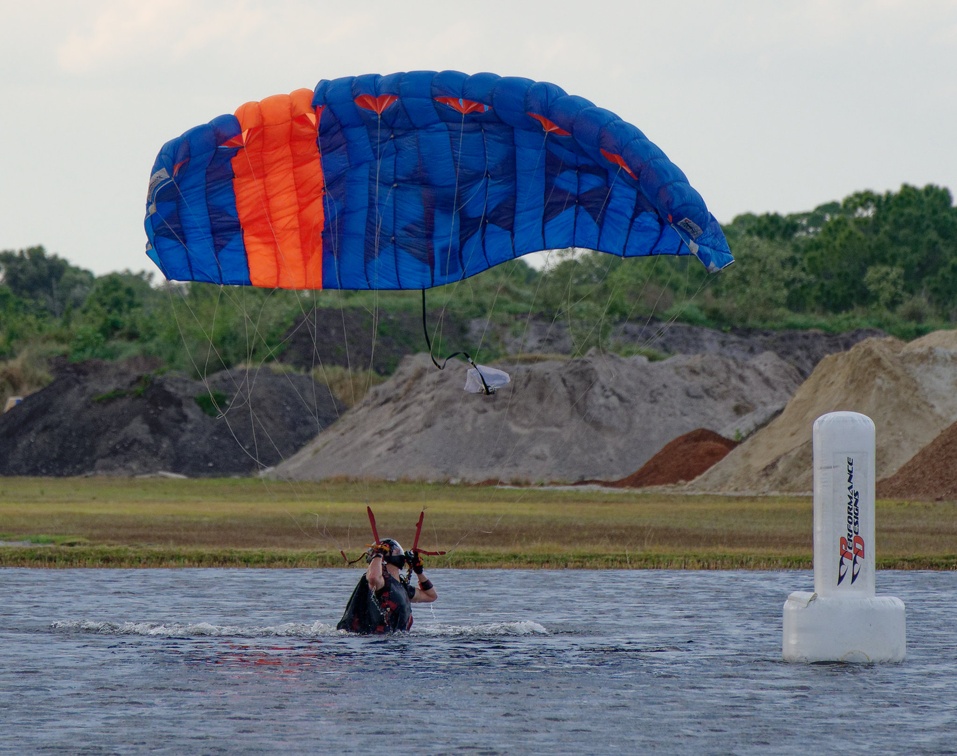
{"points": [[279, 186]]}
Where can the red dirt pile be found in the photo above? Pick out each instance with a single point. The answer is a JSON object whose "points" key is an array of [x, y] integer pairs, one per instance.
{"points": [[930, 475], [680, 460]]}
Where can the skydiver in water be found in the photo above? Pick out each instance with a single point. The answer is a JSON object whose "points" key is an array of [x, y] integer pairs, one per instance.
{"points": [[382, 600]]}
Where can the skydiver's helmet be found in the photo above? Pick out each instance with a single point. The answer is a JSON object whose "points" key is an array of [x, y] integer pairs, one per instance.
{"points": [[396, 555]]}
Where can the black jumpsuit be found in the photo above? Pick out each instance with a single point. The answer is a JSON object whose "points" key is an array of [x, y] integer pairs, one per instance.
{"points": [[388, 611]]}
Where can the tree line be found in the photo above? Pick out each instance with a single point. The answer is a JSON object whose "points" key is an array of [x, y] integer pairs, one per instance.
{"points": [[872, 260]]}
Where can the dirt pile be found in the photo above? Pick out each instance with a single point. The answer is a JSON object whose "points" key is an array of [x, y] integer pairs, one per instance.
{"points": [[680, 461], [599, 417], [930, 475], [122, 419], [908, 390]]}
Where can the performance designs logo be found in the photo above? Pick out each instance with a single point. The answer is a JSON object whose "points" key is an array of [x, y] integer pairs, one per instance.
{"points": [[851, 545]]}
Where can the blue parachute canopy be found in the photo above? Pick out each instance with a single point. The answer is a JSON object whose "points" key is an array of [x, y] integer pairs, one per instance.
{"points": [[414, 180]]}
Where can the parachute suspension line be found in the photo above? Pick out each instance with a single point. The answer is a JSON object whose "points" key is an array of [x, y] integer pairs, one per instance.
{"points": [[210, 346], [212, 353], [244, 390], [456, 207], [577, 399], [331, 214], [182, 335], [486, 389], [466, 262], [202, 372], [596, 329], [635, 300], [547, 200], [379, 220], [253, 332], [541, 278], [208, 334], [258, 431], [455, 194], [308, 320], [448, 250], [488, 176], [705, 282], [377, 243], [322, 532], [651, 339], [654, 308], [515, 450]]}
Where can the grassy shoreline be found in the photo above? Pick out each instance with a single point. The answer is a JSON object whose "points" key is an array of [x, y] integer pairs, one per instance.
{"points": [[164, 523]]}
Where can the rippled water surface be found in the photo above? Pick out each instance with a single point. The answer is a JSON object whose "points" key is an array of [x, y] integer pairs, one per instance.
{"points": [[249, 661]]}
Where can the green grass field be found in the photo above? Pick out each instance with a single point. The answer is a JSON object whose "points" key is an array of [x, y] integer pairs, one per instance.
{"points": [[158, 522]]}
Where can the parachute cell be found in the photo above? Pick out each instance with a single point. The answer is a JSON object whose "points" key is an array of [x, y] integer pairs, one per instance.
{"points": [[414, 180]]}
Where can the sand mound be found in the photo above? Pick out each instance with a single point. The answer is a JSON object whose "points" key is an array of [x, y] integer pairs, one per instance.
{"points": [[930, 475], [599, 417], [681, 460], [909, 390], [121, 419]]}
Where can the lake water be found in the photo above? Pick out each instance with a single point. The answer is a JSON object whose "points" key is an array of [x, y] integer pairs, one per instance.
{"points": [[551, 662]]}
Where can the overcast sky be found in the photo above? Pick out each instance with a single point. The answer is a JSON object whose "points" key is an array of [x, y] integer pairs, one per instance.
{"points": [[767, 106]]}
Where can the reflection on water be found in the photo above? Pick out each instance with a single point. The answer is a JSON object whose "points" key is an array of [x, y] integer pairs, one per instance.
{"points": [[538, 661]]}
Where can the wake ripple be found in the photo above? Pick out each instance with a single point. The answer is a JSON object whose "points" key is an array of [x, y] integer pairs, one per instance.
{"points": [[286, 630]]}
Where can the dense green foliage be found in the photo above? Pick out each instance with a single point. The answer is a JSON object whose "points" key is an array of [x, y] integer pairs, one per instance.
{"points": [[889, 258], [879, 260]]}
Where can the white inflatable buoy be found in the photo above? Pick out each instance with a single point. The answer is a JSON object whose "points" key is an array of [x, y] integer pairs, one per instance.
{"points": [[843, 619]]}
